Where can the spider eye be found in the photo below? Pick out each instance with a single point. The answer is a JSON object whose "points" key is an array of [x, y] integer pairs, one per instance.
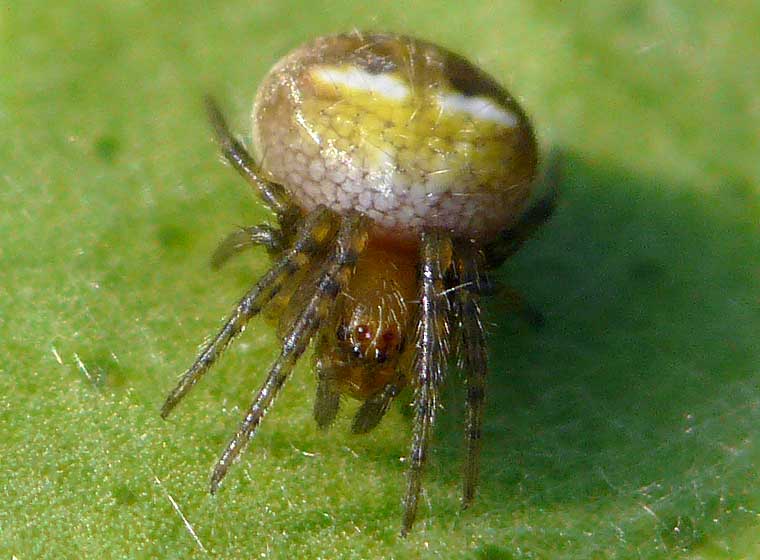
{"points": [[380, 356], [356, 351], [363, 332]]}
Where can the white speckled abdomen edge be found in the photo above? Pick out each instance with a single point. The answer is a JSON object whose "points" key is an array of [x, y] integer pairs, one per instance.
{"points": [[341, 136]]}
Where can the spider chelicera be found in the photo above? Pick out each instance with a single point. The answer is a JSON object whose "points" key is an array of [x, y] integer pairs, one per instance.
{"points": [[400, 174]]}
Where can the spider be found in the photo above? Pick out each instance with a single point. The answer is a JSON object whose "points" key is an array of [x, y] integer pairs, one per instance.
{"points": [[400, 175]]}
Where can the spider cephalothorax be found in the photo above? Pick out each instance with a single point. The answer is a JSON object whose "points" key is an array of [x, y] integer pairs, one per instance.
{"points": [[399, 174]]}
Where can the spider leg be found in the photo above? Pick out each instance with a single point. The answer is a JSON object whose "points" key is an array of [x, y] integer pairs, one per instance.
{"points": [[472, 356], [334, 276], [245, 238], [436, 250], [510, 240], [316, 231], [274, 195]]}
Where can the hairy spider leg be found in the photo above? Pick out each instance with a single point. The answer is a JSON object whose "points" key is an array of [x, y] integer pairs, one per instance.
{"points": [[245, 238], [430, 363], [315, 233], [335, 274], [274, 195], [472, 355]]}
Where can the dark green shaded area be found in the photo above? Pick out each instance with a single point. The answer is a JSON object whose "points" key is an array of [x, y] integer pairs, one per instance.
{"points": [[624, 427]]}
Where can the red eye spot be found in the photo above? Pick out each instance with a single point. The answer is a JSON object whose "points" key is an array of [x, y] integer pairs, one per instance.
{"points": [[388, 336], [363, 332]]}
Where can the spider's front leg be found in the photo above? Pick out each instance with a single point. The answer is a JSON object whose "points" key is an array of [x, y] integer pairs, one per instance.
{"points": [[317, 230], [333, 277], [471, 353], [246, 238], [430, 364]]}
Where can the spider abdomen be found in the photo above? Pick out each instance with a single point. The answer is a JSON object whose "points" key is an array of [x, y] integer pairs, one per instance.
{"points": [[404, 131]]}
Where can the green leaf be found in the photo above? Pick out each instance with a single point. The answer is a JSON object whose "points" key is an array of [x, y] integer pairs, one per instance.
{"points": [[626, 427]]}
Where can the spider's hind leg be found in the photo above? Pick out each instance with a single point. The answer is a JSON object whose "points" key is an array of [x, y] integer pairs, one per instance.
{"points": [[510, 301], [274, 195]]}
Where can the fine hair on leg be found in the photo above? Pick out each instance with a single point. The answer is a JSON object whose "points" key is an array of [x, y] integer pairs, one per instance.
{"points": [[245, 238], [315, 233], [274, 195], [334, 275], [472, 356], [430, 362]]}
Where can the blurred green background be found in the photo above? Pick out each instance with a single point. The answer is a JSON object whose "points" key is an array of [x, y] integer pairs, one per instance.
{"points": [[627, 427]]}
